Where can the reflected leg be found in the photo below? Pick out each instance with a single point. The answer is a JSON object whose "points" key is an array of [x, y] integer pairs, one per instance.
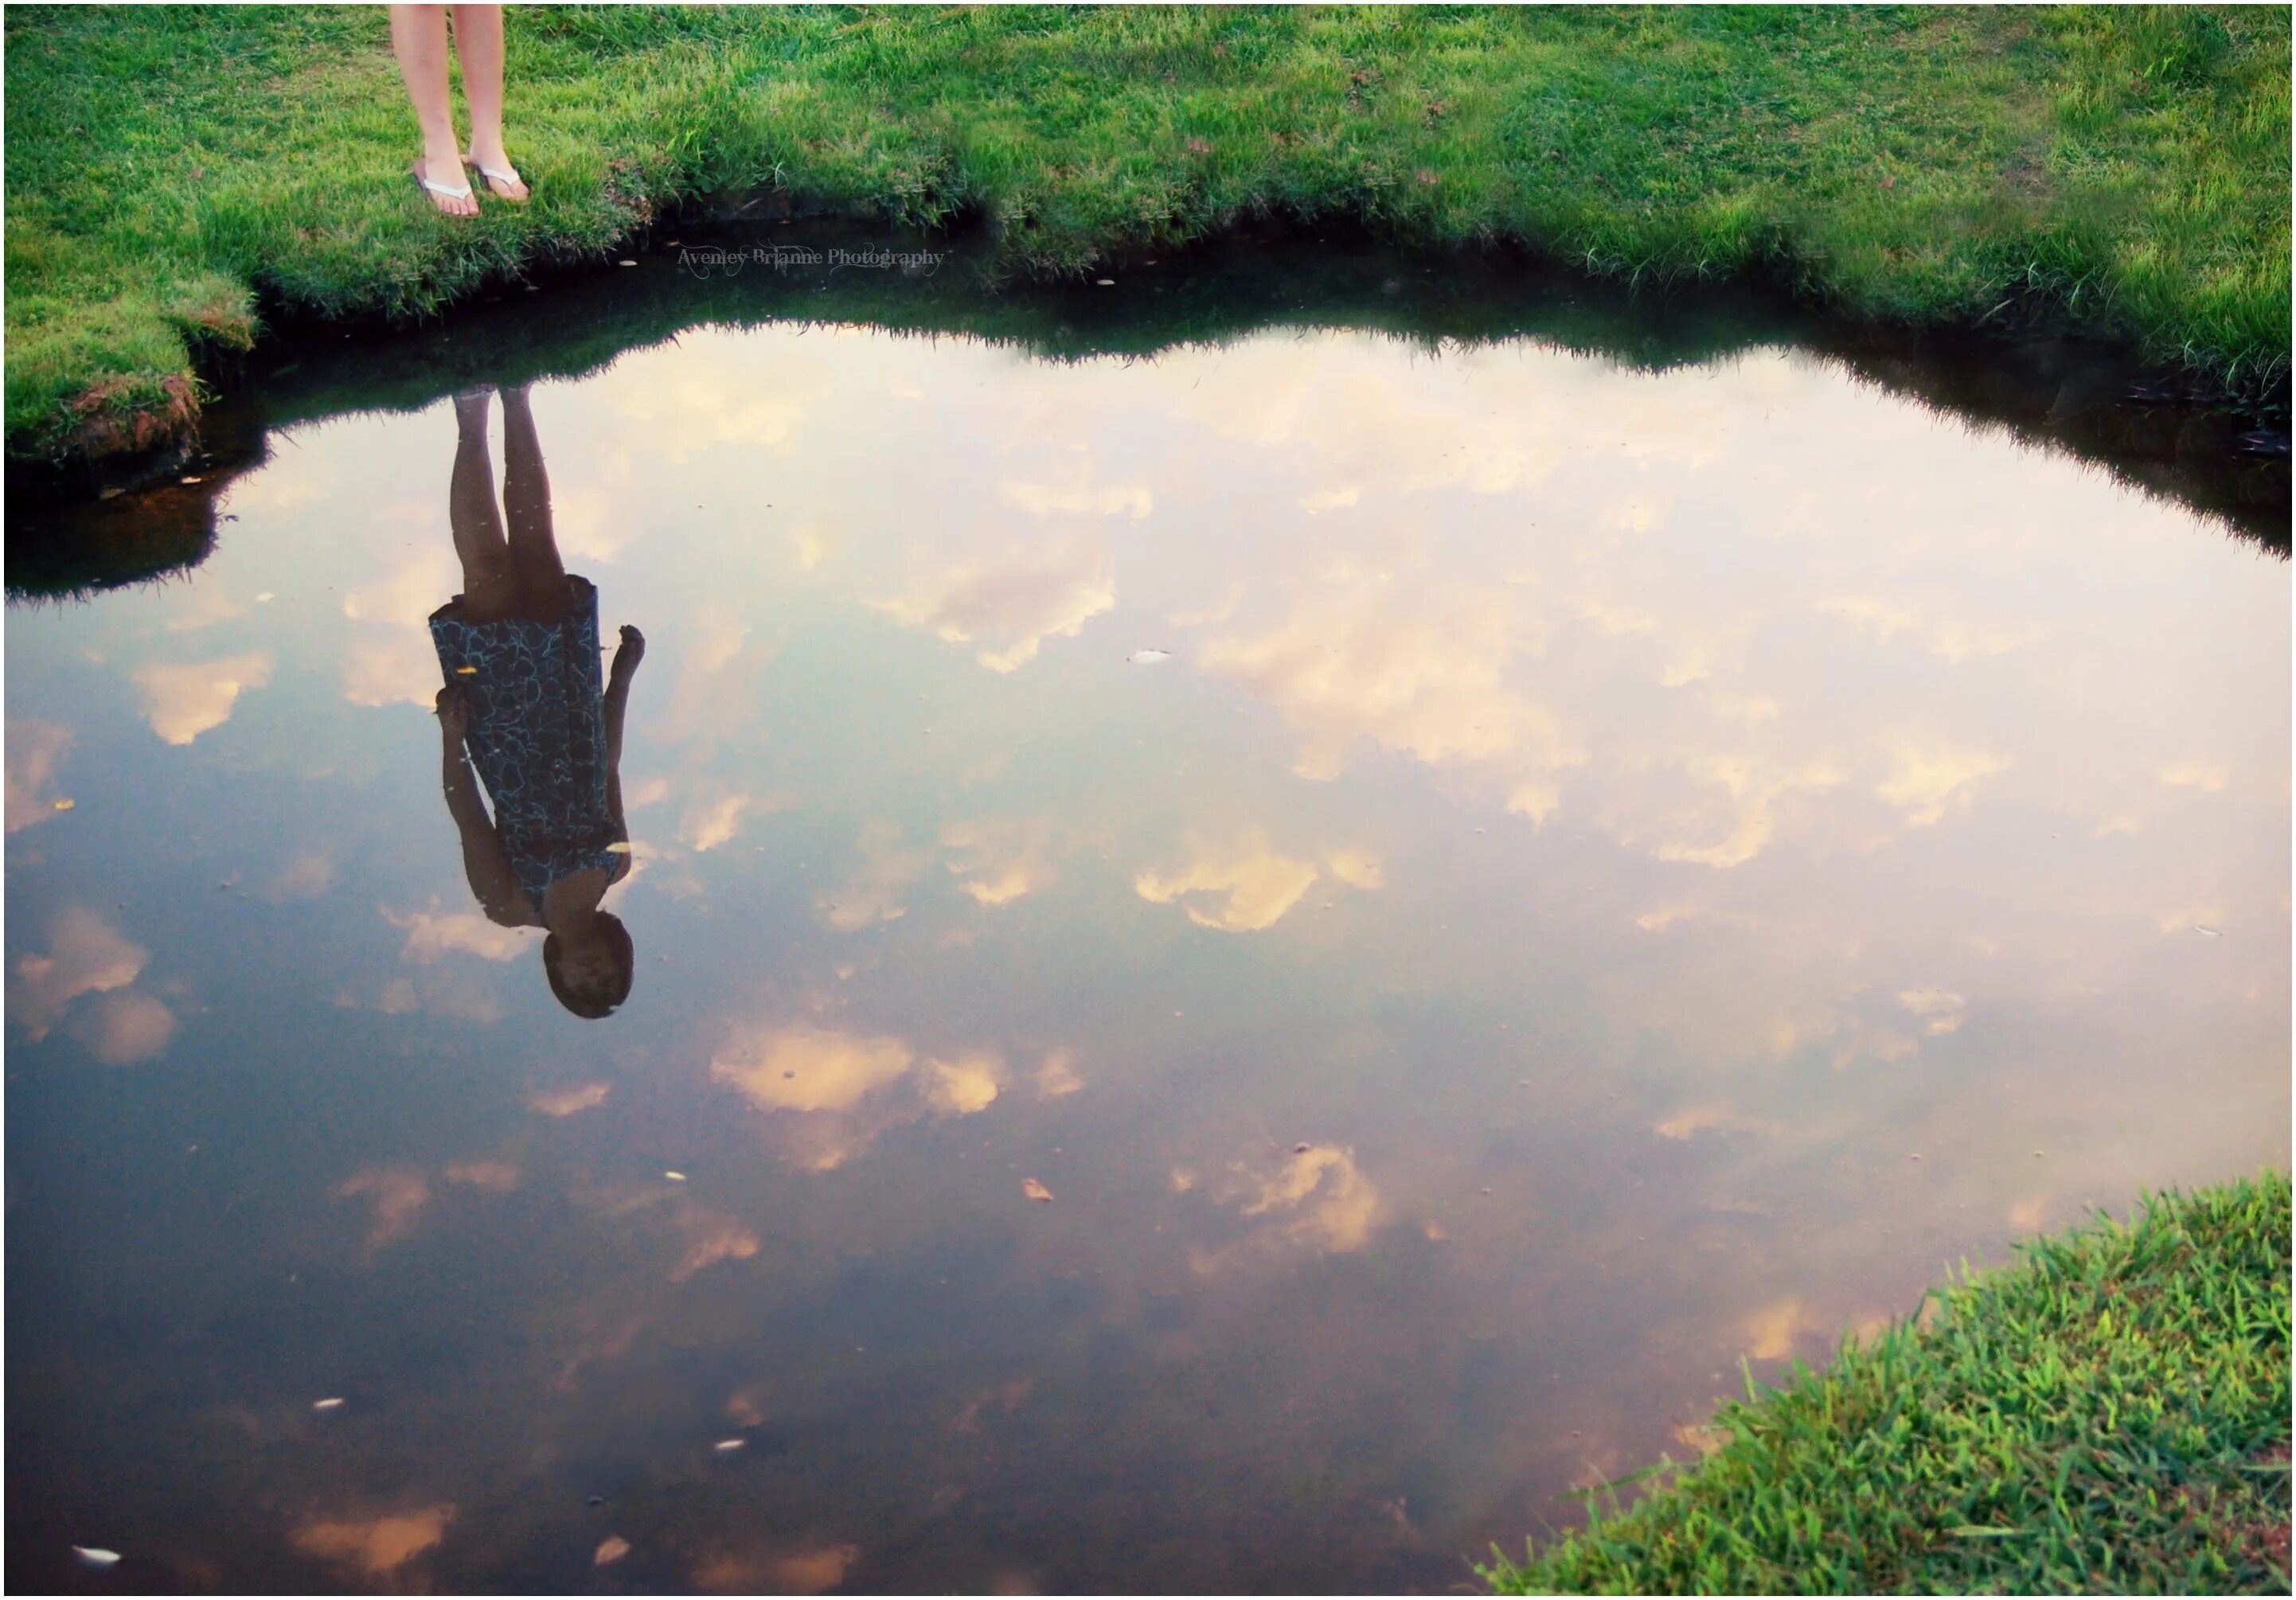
{"points": [[489, 580], [525, 503]]}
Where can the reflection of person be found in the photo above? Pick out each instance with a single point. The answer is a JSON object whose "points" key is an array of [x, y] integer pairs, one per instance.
{"points": [[519, 648], [418, 34]]}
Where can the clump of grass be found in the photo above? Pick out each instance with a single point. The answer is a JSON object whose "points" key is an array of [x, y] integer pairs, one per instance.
{"points": [[172, 169], [2109, 1415]]}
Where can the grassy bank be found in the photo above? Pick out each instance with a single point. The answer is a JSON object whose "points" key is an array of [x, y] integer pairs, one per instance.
{"points": [[2110, 1415], [171, 170]]}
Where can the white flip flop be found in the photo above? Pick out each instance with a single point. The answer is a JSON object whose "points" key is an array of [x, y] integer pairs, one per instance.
{"points": [[445, 191], [496, 175]]}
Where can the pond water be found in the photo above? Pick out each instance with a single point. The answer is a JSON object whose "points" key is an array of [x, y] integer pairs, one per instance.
{"points": [[1488, 886]]}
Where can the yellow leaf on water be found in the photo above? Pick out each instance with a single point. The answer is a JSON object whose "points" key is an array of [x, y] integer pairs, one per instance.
{"points": [[613, 1550], [66, 805], [466, 671], [1035, 1190]]}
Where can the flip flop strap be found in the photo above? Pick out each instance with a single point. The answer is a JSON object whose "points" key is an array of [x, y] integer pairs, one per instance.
{"points": [[459, 192]]}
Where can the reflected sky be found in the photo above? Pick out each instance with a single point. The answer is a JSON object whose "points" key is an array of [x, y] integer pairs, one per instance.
{"points": [[1485, 890]]}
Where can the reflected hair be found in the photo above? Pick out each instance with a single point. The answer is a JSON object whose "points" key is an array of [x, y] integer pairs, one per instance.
{"points": [[596, 1002]]}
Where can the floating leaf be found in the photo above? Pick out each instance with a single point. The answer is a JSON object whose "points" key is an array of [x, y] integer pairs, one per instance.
{"points": [[611, 1551], [2207, 932], [1148, 658], [328, 1403], [620, 846], [676, 1177], [90, 1557], [66, 805], [1035, 1190], [726, 1447], [466, 672]]}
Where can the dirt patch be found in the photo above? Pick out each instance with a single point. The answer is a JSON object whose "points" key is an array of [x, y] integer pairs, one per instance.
{"points": [[112, 420]]}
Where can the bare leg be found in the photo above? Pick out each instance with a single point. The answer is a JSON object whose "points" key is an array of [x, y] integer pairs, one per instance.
{"points": [[526, 504], [478, 41], [418, 33], [489, 580]]}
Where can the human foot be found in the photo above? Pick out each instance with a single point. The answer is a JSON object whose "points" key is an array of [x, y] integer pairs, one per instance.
{"points": [[493, 165], [453, 200]]}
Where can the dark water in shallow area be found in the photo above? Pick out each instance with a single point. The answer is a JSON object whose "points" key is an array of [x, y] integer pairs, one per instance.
{"points": [[1469, 875]]}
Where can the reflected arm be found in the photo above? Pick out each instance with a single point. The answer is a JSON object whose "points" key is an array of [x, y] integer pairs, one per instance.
{"points": [[618, 703], [485, 865]]}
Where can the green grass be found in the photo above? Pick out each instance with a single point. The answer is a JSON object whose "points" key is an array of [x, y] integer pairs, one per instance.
{"points": [[173, 171], [2109, 1415]]}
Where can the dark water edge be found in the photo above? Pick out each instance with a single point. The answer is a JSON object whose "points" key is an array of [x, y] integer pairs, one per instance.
{"points": [[2147, 428]]}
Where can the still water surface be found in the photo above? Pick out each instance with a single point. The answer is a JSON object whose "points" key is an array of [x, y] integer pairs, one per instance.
{"points": [[1488, 887]]}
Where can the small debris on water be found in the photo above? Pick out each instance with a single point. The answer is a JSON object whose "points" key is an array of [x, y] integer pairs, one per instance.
{"points": [[620, 846], [91, 1556], [676, 1177], [726, 1447], [627, 262], [611, 1551], [597, 1500], [1299, 1150], [1035, 1190], [2207, 932], [265, 598], [466, 672], [1148, 658], [328, 1403], [1485, 1191], [1105, 282], [65, 805], [1914, 1156]]}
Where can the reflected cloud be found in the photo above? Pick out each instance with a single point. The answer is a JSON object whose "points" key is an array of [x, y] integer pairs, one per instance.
{"points": [[1238, 891], [1940, 1009], [398, 1195], [1324, 1197], [969, 1084], [874, 894], [1011, 604], [1358, 869], [85, 956], [997, 862], [432, 935], [566, 1102], [1420, 666], [308, 876], [834, 1093], [709, 1237], [808, 1571], [808, 1069], [1927, 781], [182, 701], [1708, 1119], [35, 751], [125, 1028], [1319, 1199], [1057, 1077], [378, 1546]]}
